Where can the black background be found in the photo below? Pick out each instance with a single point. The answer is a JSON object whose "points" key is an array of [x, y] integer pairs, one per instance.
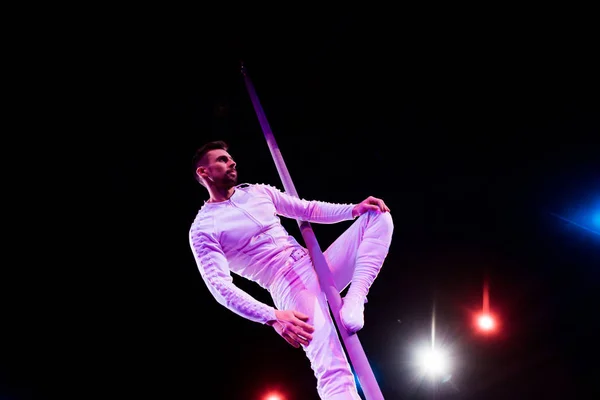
{"points": [[474, 125]]}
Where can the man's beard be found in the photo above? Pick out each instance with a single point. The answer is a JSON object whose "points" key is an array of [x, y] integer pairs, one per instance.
{"points": [[229, 181]]}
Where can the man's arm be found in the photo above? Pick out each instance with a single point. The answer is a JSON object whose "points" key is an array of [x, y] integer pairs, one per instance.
{"points": [[214, 269], [312, 211], [320, 211], [213, 266]]}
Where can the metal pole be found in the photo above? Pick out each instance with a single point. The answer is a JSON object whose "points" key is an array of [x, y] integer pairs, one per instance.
{"points": [[357, 356]]}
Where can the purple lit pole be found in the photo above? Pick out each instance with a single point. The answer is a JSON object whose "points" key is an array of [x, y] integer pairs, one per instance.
{"points": [[354, 349]]}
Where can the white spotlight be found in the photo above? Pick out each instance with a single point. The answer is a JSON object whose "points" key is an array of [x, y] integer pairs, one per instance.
{"points": [[432, 362]]}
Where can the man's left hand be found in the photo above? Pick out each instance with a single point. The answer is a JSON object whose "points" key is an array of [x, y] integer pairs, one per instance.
{"points": [[369, 204]]}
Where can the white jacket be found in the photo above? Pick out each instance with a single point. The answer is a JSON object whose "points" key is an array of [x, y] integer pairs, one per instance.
{"points": [[244, 235]]}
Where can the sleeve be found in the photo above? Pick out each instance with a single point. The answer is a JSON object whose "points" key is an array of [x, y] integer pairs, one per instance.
{"points": [[214, 270], [312, 211]]}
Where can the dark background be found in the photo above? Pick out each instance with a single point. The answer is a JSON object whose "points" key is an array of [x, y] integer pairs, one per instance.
{"points": [[475, 126]]}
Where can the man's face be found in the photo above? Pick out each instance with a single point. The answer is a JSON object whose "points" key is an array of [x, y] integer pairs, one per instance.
{"points": [[219, 169]]}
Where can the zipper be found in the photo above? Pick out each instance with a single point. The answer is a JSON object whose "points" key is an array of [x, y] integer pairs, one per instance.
{"points": [[247, 214]]}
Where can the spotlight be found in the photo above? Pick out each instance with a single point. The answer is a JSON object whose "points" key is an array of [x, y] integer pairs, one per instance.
{"points": [[486, 322], [432, 362]]}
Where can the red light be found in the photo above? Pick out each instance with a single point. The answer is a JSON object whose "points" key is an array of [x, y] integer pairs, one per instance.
{"points": [[486, 322], [274, 396]]}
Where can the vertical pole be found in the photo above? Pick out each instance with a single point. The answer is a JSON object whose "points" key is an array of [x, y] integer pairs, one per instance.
{"points": [[353, 346]]}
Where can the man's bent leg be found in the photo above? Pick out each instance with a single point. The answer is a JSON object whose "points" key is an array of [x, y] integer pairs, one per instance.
{"points": [[358, 255]]}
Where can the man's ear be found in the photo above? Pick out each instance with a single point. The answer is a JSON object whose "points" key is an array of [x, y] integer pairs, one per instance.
{"points": [[201, 172]]}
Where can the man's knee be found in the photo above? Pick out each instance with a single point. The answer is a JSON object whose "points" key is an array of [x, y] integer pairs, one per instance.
{"points": [[379, 224], [383, 218]]}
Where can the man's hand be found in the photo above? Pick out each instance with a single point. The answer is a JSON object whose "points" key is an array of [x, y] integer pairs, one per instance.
{"points": [[292, 326], [370, 203]]}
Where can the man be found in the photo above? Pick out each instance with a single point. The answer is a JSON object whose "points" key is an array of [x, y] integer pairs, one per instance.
{"points": [[238, 230]]}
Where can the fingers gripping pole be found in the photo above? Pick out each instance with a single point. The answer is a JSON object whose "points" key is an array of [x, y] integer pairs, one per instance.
{"points": [[353, 346]]}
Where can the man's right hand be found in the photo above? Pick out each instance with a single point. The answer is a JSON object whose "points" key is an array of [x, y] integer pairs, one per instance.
{"points": [[292, 326]]}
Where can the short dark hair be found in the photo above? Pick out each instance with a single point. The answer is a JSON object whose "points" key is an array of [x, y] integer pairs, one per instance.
{"points": [[205, 148]]}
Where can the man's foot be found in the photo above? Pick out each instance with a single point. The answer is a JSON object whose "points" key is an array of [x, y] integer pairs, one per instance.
{"points": [[352, 314]]}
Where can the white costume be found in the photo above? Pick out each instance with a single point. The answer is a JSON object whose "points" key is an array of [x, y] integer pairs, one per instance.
{"points": [[244, 235]]}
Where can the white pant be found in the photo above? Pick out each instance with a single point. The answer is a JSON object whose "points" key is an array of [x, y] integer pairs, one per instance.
{"points": [[368, 237]]}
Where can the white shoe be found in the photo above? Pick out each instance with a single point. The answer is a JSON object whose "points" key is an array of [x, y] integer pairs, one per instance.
{"points": [[352, 314]]}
